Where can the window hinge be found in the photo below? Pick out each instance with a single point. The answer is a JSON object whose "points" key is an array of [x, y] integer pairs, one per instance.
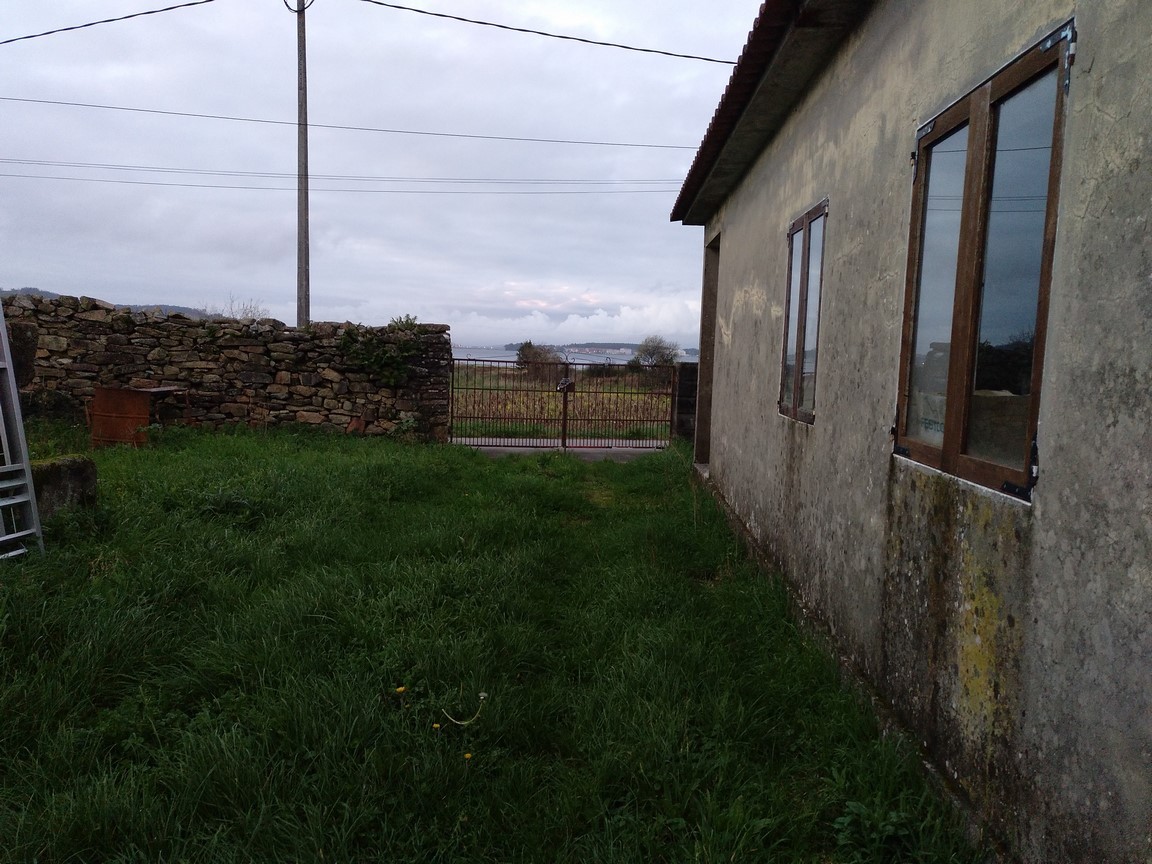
{"points": [[1067, 33], [1068, 65], [914, 162]]}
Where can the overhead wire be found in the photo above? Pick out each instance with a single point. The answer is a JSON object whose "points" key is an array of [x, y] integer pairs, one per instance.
{"points": [[347, 128], [361, 191], [113, 166], [104, 21], [549, 35]]}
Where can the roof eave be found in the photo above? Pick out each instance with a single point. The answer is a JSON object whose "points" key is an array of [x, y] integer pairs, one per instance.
{"points": [[790, 43]]}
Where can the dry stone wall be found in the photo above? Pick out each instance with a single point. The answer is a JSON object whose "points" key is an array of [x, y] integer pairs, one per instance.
{"points": [[260, 372]]}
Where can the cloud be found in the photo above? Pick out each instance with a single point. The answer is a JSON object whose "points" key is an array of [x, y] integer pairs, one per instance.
{"points": [[495, 267]]}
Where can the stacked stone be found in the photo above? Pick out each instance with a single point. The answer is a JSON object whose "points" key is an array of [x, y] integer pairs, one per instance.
{"points": [[260, 372]]}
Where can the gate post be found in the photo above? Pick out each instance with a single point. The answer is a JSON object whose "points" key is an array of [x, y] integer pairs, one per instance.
{"points": [[565, 387], [564, 420]]}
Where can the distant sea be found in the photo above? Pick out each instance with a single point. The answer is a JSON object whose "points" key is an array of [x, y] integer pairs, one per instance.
{"points": [[464, 352]]}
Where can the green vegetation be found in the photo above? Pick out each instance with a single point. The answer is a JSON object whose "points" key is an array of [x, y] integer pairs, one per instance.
{"points": [[527, 353], [49, 438], [299, 647], [384, 353]]}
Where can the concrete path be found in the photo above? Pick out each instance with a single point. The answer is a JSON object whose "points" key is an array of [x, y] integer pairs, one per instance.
{"points": [[587, 454]]}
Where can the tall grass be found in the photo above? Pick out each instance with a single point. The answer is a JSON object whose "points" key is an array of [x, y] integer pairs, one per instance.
{"points": [[295, 647]]}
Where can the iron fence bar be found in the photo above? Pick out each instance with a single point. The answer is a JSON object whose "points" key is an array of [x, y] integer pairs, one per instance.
{"points": [[503, 402]]}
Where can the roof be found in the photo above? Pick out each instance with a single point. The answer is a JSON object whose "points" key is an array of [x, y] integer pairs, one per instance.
{"points": [[790, 43]]}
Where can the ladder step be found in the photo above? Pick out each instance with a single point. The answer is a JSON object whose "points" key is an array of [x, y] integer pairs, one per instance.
{"points": [[17, 535]]}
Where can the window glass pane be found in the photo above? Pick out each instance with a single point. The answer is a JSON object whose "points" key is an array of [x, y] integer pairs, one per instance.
{"points": [[998, 418], [812, 314], [796, 269], [933, 327]]}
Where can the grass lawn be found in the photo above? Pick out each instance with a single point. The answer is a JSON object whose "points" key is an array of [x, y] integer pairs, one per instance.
{"points": [[293, 647]]}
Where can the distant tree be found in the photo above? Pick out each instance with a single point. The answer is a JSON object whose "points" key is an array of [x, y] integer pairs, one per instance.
{"points": [[656, 351], [238, 309], [541, 362], [525, 353], [529, 353]]}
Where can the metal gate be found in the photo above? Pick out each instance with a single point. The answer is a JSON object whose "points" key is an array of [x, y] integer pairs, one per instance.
{"points": [[560, 404]]}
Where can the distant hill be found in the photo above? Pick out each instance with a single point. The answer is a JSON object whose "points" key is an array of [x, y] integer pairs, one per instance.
{"points": [[593, 347], [162, 308], [580, 346]]}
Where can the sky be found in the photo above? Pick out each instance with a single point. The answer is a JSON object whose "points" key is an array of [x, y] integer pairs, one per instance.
{"points": [[598, 262]]}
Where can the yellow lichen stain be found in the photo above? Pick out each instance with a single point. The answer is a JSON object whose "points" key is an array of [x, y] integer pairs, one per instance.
{"points": [[986, 642], [981, 514], [978, 648]]}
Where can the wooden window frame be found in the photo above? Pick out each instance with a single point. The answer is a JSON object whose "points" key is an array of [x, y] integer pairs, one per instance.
{"points": [[802, 224], [976, 110]]}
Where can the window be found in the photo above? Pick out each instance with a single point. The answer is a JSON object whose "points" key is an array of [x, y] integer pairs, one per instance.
{"points": [[980, 263], [802, 314]]}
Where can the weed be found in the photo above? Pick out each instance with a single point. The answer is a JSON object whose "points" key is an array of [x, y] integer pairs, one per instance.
{"points": [[384, 353]]}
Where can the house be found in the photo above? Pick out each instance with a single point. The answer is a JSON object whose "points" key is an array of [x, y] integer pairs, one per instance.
{"points": [[926, 379]]}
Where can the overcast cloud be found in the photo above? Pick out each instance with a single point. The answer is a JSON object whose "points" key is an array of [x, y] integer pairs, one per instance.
{"points": [[496, 267]]}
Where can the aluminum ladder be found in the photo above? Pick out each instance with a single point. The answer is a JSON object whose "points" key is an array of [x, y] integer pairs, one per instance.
{"points": [[19, 519]]}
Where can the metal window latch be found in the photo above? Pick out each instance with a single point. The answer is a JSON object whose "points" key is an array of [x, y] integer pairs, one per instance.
{"points": [[1034, 462]]}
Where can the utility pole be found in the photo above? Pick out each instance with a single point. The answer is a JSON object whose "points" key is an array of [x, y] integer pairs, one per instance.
{"points": [[302, 243]]}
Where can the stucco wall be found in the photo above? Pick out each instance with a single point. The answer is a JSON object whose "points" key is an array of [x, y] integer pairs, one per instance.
{"points": [[1014, 639], [227, 371]]}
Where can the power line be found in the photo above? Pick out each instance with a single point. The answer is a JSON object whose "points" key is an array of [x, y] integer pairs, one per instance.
{"points": [[105, 21], [157, 169], [362, 191], [550, 35], [347, 128]]}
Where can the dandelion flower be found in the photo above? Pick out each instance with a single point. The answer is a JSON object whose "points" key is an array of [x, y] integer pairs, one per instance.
{"points": [[435, 725], [401, 689], [467, 755]]}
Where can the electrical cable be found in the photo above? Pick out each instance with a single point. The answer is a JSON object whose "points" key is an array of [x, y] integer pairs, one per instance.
{"points": [[550, 35], [109, 166], [105, 21], [365, 191], [348, 128]]}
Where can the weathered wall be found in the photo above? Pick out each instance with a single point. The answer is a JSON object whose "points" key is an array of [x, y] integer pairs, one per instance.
{"points": [[1014, 639], [257, 372]]}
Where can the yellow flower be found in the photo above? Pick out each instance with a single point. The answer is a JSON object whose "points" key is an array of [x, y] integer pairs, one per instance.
{"points": [[467, 755], [435, 725], [401, 689]]}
